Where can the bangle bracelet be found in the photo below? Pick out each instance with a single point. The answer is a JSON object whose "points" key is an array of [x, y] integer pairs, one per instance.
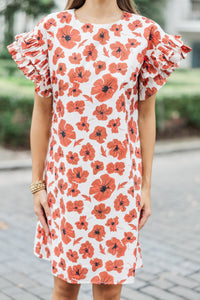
{"points": [[37, 186]]}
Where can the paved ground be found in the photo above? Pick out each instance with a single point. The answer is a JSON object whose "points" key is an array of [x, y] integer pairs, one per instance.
{"points": [[170, 239]]}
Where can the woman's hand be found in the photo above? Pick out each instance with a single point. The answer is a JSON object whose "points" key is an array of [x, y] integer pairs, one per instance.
{"points": [[42, 209], [145, 211]]}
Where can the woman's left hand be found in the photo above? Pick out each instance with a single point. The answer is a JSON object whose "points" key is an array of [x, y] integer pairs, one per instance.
{"points": [[145, 206]]}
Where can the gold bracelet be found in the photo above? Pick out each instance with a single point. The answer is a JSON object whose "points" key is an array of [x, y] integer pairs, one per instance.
{"points": [[37, 186]]}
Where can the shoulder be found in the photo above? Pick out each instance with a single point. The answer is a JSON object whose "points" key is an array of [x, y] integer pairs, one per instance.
{"points": [[139, 21]]}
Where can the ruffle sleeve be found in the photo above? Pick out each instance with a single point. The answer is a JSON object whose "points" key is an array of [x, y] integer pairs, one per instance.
{"points": [[163, 55], [30, 52]]}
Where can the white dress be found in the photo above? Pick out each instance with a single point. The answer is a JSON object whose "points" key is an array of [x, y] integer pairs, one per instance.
{"points": [[96, 74]]}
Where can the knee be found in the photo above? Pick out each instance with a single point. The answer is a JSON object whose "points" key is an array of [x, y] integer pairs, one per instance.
{"points": [[109, 292], [65, 290]]}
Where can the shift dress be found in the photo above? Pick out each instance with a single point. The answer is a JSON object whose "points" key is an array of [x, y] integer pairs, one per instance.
{"points": [[96, 74]]}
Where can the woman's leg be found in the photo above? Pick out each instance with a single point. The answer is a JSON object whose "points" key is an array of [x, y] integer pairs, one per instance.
{"points": [[106, 291], [64, 290]]}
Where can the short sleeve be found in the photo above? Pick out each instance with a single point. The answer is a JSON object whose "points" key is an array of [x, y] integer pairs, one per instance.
{"points": [[30, 52], [162, 56]]}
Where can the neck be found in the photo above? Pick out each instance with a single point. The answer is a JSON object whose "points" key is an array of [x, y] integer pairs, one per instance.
{"points": [[99, 8]]}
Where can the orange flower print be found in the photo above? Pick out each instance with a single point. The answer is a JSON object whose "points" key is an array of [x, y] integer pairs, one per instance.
{"points": [[135, 25], [131, 191], [73, 190], [132, 43], [115, 247], [54, 269], [138, 202], [96, 263], [154, 38], [78, 106], [62, 264], [74, 90], [112, 223], [102, 188], [102, 36], [66, 133], [68, 36], [77, 175], [99, 66], [79, 74], [88, 152], [56, 214], [76, 273], [90, 52], [128, 238], [49, 23], [131, 272], [72, 158], [137, 182], [100, 211], [120, 103], [119, 51], [116, 29], [63, 86], [116, 265], [86, 249], [99, 134], [75, 58], [87, 27], [61, 69], [58, 250], [130, 216], [132, 129], [59, 53], [72, 255], [114, 125], [59, 154], [98, 233], [118, 68], [83, 124], [82, 223], [60, 108], [75, 206], [117, 149], [102, 112], [105, 87], [62, 168], [62, 186], [62, 206], [121, 202], [64, 17], [97, 166], [51, 200], [103, 278], [67, 231], [118, 167]]}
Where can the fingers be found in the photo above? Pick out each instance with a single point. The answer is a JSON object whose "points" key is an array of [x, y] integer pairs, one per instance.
{"points": [[144, 215], [42, 210]]}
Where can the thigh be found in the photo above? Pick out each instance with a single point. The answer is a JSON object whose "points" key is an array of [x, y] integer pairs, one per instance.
{"points": [[106, 291]]}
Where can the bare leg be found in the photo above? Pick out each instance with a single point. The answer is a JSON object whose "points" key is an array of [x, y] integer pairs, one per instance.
{"points": [[64, 290], [106, 291]]}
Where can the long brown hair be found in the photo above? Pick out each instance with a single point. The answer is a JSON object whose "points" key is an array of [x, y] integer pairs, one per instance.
{"points": [[127, 5]]}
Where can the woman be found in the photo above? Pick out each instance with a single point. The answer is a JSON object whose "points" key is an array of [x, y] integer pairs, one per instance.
{"points": [[92, 138]]}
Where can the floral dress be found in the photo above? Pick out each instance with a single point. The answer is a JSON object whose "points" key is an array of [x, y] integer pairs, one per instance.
{"points": [[96, 74]]}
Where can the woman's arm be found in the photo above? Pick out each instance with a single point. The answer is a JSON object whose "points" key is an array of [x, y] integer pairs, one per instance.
{"points": [[39, 138], [147, 131]]}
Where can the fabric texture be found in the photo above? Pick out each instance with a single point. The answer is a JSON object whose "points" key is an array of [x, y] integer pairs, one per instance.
{"points": [[96, 74]]}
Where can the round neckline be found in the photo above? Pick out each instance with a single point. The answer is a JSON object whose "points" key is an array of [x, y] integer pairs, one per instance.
{"points": [[97, 24]]}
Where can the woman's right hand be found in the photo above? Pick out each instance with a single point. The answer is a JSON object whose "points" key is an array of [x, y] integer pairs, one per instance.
{"points": [[42, 209]]}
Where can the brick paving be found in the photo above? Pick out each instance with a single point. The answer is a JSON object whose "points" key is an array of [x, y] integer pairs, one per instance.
{"points": [[169, 241]]}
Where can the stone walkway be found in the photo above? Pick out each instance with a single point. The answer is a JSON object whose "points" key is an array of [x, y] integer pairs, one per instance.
{"points": [[170, 240]]}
